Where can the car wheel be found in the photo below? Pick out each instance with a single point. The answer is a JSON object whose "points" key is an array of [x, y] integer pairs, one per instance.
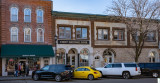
{"points": [[155, 74], [58, 78], [126, 75], [90, 77], [35, 77]]}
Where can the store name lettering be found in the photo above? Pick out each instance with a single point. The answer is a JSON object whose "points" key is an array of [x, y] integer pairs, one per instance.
{"points": [[72, 42], [28, 55]]}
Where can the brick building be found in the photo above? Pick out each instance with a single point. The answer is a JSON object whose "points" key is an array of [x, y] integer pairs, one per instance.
{"points": [[25, 34]]}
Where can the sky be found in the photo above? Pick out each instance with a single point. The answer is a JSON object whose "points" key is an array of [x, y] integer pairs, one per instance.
{"points": [[82, 6]]}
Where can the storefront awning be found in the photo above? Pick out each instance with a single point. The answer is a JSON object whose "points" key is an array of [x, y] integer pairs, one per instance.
{"points": [[27, 51]]}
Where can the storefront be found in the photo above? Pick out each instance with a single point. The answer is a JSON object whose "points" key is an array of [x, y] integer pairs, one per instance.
{"points": [[36, 56]]}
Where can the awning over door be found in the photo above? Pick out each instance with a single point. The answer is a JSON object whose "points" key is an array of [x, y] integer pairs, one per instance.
{"points": [[27, 51]]}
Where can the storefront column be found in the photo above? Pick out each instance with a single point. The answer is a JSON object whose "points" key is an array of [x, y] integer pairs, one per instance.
{"points": [[66, 55], [4, 73], [41, 63], [50, 60], [78, 59]]}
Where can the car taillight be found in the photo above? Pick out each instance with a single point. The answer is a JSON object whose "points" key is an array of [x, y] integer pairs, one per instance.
{"points": [[136, 69], [95, 73]]}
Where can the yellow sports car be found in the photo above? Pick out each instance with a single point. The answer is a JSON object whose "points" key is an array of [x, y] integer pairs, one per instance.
{"points": [[86, 72]]}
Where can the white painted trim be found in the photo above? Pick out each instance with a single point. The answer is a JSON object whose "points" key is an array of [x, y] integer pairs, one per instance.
{"points": [[11, 34], [42, 15], [42, 34]]}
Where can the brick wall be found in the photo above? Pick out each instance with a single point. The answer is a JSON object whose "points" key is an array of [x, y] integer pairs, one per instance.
{"points": [[6, 24]]}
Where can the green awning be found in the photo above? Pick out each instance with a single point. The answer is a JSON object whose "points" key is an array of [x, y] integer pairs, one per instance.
{"points": [[27, 51]]}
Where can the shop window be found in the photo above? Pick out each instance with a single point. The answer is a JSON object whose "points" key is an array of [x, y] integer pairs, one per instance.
{"points": [[103, 34], [27, 35], [97, 57], [27, 15], [151, 36], [14, 34], [33, 63], [81, 33], [39, 16], [14, 14], [64, 32], [46, 62], [40, 35], [84, 57], [118, 34]]}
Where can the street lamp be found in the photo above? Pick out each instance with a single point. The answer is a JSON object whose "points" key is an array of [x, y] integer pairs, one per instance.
{"points": [[55, 38]]}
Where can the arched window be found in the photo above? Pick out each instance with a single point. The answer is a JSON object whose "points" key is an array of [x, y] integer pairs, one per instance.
{"points": [[14, 34], [14, 14], [40, 35], [84, 57], [27, 35], [152, 57], [39, 16], [27, 15]]}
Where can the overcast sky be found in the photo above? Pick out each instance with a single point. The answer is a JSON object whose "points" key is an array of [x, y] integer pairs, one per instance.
{"points": [[82, 6]]}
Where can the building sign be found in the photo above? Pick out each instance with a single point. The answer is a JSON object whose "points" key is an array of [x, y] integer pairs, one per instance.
{"points": [[73, 42], [28, 55]]}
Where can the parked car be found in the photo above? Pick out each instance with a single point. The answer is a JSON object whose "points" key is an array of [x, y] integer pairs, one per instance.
{"points": [[87, 73], [58, 72], [150, 69], [126, 70]]}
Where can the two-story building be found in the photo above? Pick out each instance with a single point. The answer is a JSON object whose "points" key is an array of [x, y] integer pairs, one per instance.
{"points": [[93, 40], [25, 34]]}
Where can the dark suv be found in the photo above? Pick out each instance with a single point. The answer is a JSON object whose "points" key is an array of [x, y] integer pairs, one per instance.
{"points": [[58, 72], [150, 69]]}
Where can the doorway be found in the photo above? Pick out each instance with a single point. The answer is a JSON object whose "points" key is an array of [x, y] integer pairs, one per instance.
{"points": [[72, 57]]}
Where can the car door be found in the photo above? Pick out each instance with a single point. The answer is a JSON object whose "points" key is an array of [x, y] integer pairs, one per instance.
{"points": [[116, 69], [45, 73], [85, 72], [52, 71], [78, 72], [107, 70]]}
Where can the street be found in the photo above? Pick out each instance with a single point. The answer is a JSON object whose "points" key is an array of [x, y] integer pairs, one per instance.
{"points": [[103, 80]]}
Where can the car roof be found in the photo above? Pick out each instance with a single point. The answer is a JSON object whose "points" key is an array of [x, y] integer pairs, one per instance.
{"points": [[84, 67]]}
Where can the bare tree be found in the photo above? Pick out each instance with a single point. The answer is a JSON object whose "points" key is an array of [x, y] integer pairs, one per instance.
{"points": [[139, 16]]}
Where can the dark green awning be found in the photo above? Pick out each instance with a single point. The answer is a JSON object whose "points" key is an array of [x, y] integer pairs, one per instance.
{"points": [[27, 51]]}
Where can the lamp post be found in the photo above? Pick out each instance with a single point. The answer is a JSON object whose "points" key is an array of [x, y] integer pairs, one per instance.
{"points": [[55, 37]]}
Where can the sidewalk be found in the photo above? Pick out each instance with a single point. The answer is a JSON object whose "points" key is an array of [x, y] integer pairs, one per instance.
{"points": [[2, 78]]}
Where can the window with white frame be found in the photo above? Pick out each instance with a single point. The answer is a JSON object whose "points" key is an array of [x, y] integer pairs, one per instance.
{"points": [[118, 35], [81, 33], [27, 35], [14, 34], [27, 15], [40, 35], [151, 36], [103, 34], [14, 14], [65, 32], [39, 16]]}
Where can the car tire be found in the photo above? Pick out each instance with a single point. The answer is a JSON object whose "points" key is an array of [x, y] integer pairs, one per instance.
{"points": [[58, 78], [90, 77], [35, 77], [155, 74], [126, 75]]}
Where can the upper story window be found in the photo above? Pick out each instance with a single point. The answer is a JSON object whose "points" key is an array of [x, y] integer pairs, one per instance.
{"points": [[14, 14], [81, 33], [40, 35], [103, 34], [14, 34], [118, 34], [27, 35], [27, 15], [65, 32], [39, 16], [151, 36]]}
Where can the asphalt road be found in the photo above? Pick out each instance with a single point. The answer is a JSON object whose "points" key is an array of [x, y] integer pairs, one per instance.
{"points": [[102, 80]]}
